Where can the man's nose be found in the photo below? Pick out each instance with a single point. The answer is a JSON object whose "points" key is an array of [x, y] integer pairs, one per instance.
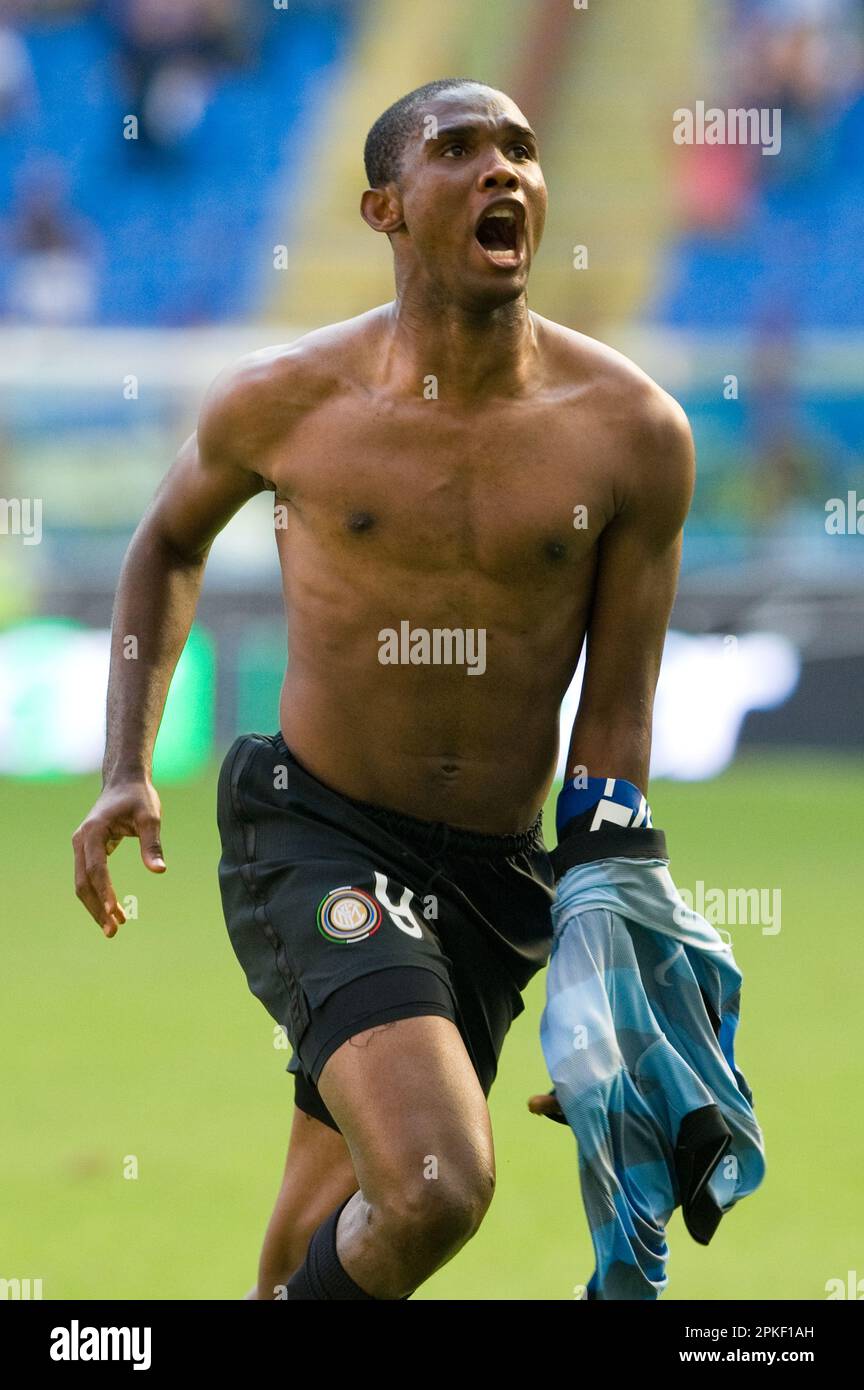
{"points": [[499, 175]]}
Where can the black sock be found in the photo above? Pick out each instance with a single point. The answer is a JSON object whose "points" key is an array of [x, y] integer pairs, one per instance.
{"points": [[321, 1275]]}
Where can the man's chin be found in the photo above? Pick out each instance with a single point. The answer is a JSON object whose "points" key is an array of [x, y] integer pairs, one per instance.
{"points": [[493, 291]]}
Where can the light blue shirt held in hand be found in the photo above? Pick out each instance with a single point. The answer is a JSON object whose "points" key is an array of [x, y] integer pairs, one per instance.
{"points": [[638, 1034]]}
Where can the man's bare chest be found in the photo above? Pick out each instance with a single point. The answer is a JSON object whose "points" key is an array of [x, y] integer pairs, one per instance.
{"points": [[503, 493]]}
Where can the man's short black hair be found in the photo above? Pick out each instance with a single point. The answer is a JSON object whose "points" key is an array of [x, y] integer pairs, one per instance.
{"points": [[386, 139]]}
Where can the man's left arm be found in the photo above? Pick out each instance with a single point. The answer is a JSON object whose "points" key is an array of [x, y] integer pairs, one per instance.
{"points": [[637, 575]]}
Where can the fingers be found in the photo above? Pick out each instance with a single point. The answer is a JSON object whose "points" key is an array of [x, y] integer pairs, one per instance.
{"points": [[92, 881], [96, 864], [149, 829], [545, 1105], [98, 836]]}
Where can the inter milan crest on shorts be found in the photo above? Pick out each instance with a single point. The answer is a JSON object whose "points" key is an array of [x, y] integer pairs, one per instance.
{"points": [[348, 914]]}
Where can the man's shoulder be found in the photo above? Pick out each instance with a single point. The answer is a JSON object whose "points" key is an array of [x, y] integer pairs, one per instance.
{"points": [[610, 381], [264, 391], [653, 443]]}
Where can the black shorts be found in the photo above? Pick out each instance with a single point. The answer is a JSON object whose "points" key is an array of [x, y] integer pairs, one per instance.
{"points": [[345, 915]]}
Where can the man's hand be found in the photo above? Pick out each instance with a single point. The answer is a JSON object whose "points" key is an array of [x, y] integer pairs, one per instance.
{"points": [[547, 1105], [129, 808]]}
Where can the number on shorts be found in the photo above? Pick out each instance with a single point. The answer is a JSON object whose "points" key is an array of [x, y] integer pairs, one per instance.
{"points": [[399, 913]]}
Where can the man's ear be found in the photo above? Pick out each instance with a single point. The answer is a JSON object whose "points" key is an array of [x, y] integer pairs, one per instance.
{"points": [[381, 208]]}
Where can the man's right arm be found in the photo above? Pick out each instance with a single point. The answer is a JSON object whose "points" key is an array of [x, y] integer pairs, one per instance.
{"points": [[157, 594]]}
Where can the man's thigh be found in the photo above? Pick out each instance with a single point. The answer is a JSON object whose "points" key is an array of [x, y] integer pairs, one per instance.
{"points": [[408, 1102]]}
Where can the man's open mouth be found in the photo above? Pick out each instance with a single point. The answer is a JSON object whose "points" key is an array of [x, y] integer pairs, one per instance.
{"points": [[500, 233]]}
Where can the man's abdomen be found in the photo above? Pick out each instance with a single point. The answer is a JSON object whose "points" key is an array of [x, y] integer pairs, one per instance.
{"points": [[426, 746]]}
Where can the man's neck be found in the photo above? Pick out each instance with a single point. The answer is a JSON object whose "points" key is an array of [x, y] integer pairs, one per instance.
{"points": [[471, 355]]}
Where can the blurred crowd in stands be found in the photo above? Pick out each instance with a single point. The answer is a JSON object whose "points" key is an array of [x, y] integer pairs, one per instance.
{"points": [[105, 107], [766, 236], [99, 228], [769, 246]]}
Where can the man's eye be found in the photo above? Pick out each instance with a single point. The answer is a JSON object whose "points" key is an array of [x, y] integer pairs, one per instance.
{"points": [[459, 149], [521, 151]]}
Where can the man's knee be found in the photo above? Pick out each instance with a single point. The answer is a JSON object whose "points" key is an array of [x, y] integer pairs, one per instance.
{"points": [[429, 1218]]}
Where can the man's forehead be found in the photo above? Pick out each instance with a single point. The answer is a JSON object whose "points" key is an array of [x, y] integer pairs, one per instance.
{"points": [[475, 105]]}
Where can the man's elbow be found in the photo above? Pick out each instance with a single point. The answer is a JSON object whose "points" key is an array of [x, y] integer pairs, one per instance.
{"points": [[154, 546]]}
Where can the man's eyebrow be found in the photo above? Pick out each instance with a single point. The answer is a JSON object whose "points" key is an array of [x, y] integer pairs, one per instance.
{"points": [[464, 128], [471, 128], [522, 130]]}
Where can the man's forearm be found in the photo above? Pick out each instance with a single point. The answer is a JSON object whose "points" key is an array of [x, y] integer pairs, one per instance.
{"points": [[156, 600], [617, 746]]}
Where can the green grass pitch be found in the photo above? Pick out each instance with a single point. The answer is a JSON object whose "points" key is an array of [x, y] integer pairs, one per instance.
{"points": [[150, 1046]]}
